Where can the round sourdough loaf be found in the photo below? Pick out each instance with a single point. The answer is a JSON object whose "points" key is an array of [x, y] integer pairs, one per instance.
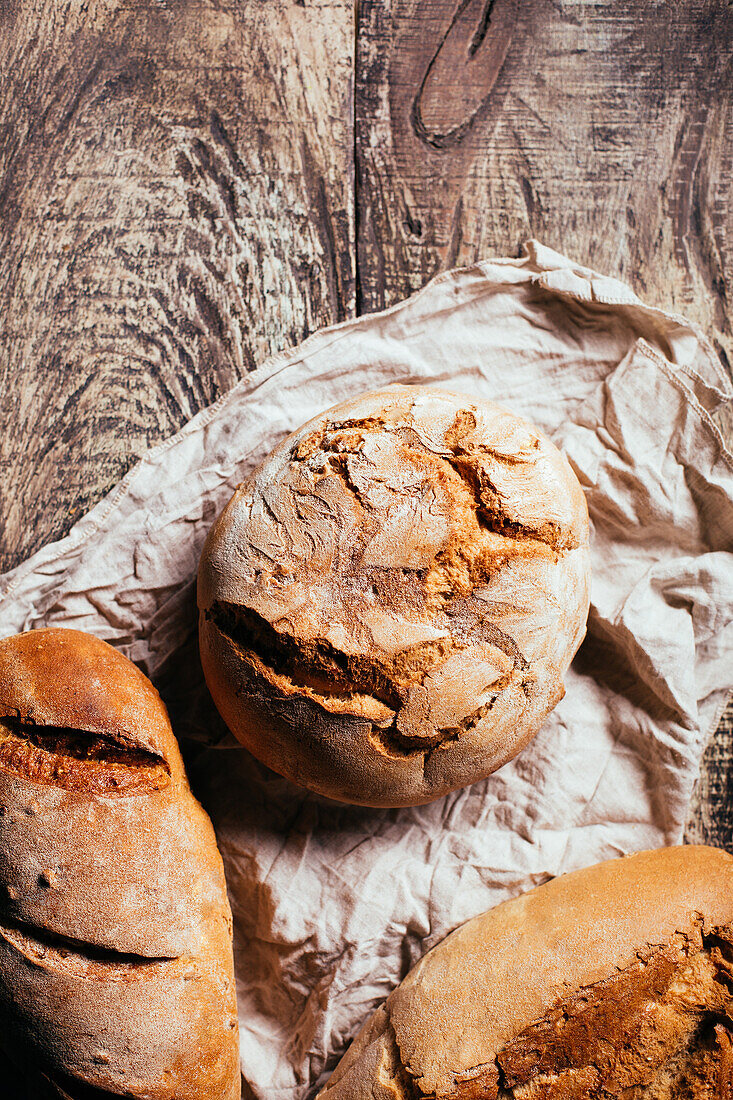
{"points": [[612, 982], [116, 973], [390, 601]]}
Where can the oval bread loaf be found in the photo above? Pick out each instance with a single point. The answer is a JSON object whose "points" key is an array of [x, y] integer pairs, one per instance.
{"points": [[389, 603], [116, 972], [611, 982]]}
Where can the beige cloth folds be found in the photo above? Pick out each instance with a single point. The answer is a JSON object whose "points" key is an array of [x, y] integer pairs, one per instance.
{"points": [[332, 904]]}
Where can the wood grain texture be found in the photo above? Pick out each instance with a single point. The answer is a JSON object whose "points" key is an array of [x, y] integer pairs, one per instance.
{"points": [[189, 185], [176, 201], [711, 812], [605, 129]]}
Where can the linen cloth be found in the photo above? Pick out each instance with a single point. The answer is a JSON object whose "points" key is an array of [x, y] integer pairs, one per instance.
{"points": [[333, 904]]}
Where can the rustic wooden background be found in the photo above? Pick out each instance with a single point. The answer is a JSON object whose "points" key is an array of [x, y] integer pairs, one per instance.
{"points": [[189, 185]]}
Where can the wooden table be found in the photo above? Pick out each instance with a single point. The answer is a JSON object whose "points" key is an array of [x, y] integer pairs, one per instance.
{"points": [[189, 185]]}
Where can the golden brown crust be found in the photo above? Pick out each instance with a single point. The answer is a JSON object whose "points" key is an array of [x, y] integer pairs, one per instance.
{"points": [[608, 979], [116, 972], [69, 679], [390, 602]]}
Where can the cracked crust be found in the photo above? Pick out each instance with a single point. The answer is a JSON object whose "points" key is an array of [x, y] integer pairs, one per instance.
{"points": [[389, 603], [116, 972], [611, 982]]}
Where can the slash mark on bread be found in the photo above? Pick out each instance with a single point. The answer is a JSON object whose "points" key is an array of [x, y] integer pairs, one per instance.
{"points": [[77, 759], [85, 960], [343, 682]]}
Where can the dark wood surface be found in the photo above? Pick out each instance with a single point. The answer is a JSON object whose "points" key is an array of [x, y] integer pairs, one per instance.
{"points": [[188, 186]]}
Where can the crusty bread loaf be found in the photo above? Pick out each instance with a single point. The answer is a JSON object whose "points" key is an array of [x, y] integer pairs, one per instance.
{"points": [[611, 982], [389, 603], [116, 973]]}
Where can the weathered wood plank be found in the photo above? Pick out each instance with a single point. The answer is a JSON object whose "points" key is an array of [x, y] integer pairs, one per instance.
{"points": [[603, 127], [176, 202], [711, 813]]}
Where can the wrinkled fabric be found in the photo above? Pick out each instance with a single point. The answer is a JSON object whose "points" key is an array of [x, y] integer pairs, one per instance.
{"points": [[333, 904]]}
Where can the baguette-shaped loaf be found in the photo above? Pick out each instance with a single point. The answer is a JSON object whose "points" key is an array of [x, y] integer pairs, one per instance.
{"points": [[116, 972], [390, 602], [611, 982]]}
